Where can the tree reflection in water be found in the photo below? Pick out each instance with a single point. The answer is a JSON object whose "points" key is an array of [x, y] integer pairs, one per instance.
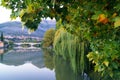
{"points": [[64, 71], [1, 54], [48, 58]]}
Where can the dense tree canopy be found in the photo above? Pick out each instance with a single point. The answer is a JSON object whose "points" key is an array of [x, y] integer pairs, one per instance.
{"points": [[32, 11], [95, 21]]}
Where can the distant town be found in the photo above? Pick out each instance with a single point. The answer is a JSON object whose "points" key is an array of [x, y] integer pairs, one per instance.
{"points": [[19, 41], [22, 39]]}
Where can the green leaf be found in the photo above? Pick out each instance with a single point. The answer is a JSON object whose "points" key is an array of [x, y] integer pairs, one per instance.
{"points": [[115, 65], [27, 2], [95, 17], [111, 74], [117, 22], [117, 7]]}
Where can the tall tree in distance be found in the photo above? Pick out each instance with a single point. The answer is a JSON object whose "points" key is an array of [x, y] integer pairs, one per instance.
{"points": [[2, 37]]}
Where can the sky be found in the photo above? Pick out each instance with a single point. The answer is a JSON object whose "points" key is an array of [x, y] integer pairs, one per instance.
{"points": [[5, 15]]}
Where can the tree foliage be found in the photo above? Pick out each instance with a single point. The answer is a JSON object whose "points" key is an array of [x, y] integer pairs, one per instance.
{"points": [[70, 48], [32, 11], [48, 38], [96, 21]]}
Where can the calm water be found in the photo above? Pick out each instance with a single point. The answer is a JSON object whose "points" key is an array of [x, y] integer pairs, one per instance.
{"points": [[22, 64], [25, 65]]}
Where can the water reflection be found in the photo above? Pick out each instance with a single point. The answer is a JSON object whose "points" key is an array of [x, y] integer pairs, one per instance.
{"points": [[64, 71], [37, 65], [1, 51], [1, 54], [49, 58], [26, 71], [19, 57], [24, 65]]}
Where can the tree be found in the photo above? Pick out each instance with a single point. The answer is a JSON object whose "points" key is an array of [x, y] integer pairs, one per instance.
{"points": [[2, 37], [95, 21], [32, 11], [48, 38]]}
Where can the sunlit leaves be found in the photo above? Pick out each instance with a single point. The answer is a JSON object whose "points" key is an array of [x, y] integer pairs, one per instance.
{"points": [[117, 22], [100, 17], [30, 8], [96, 15], [103, 19], [114, 15], [22, 12], [48, 38], [106, 59], [106, 63], [90, 56]]}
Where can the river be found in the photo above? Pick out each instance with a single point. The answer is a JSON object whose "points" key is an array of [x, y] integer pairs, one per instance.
{"points": [[35, 64], [23, 64]]}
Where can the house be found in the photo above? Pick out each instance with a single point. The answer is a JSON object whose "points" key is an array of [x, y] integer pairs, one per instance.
{"points": [[1, 51], [1, 44]]}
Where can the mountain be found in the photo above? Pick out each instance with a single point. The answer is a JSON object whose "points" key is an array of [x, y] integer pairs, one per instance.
{"points": [[15, 28]]}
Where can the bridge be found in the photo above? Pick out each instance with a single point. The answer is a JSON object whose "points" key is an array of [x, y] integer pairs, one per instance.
{"points": [[29, 43], [26, 48]]}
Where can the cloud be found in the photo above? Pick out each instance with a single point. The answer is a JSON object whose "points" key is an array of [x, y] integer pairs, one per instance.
{"points": [[5, 15]]}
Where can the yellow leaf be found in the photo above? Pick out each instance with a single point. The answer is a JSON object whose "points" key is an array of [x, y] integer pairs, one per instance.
{"points": [[106, 63], [114, 15], [30, 8], [22, 12], [117, 22], [90, 56], [103, 19]]}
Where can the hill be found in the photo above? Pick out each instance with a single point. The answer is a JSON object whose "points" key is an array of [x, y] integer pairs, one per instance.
{"points": [[15, 28]]}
